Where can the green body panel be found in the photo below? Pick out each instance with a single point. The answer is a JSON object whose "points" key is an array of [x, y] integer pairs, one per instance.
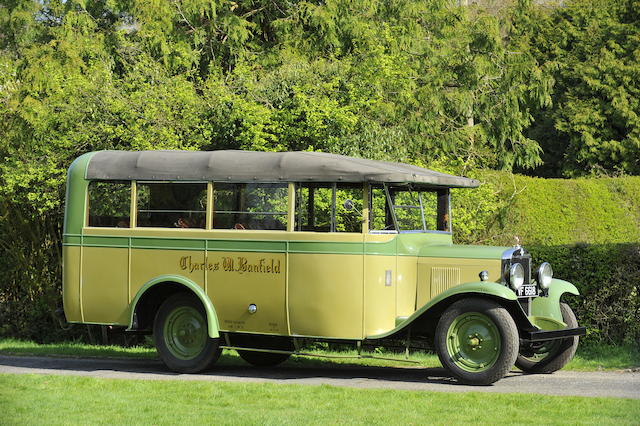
{"points": [[474, 288], [401, 244], [462, 252], [549, 307], [410, 244], [545, 323], [212, 318], [421, 245], [74, 212]]}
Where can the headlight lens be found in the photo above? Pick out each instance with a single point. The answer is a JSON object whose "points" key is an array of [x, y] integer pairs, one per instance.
{"points": [[545, 274], [516, 276]]}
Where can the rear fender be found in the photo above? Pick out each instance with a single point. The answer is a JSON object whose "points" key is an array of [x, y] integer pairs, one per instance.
{"points": [[212, 318]]}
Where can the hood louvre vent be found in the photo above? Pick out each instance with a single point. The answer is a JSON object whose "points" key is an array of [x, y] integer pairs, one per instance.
{"points": [[443, 278]]}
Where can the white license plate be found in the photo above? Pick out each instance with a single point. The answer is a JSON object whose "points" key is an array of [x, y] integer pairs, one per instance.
{"points": [[527, 291]]}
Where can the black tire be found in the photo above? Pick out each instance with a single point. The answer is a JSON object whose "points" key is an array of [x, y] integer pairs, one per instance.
{"points": [[491, 325], [181, 336], [547, 357], [263, 359]]}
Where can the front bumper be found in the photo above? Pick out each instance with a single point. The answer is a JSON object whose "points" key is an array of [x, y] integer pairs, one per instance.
{"points": [[542, 335]]}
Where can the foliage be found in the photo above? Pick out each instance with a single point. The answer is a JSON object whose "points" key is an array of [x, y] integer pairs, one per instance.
{"points": [[592, 51], [608, 278], [548, 212]]}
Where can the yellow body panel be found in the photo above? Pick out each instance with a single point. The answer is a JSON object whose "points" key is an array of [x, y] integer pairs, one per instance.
{"points": [[379, 294], [436, 275], [147, 264], [236, 280], [325, 295], [406, 282], [71, 279], [104, 285]]}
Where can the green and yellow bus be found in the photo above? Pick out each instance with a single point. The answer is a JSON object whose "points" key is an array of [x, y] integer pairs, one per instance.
{"points": [[263, 251]]}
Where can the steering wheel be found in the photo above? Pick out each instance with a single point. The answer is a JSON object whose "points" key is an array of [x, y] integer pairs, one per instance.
{"points": [[239, 226]]}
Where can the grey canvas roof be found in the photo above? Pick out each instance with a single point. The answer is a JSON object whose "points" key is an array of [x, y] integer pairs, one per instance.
{"points": [[252, 166]]}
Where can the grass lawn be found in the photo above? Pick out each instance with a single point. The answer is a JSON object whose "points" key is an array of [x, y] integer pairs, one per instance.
{"points": [[36, 399], [588, 358]]}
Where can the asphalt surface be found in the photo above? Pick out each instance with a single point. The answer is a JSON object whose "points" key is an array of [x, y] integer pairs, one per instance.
{"points": [[622, 384]]}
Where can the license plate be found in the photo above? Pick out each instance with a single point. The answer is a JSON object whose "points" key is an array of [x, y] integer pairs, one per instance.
{"points": [[527, 291]]}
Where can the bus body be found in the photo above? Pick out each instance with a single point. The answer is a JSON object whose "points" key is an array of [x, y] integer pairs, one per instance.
{"points": [[260, 251]]}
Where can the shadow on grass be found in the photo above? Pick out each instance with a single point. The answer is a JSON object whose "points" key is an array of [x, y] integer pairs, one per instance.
{"points": [[229, 366]]}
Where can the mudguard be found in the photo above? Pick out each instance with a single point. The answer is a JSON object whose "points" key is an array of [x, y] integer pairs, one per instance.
{"points": [[479, 288], [212, 318], [549, 307]]}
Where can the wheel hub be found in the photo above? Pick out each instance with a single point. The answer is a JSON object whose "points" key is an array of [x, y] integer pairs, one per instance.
{"points": [[185, 332]]}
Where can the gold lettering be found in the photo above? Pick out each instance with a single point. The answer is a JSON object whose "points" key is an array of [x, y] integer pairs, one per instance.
{"points": [[183, 263]]}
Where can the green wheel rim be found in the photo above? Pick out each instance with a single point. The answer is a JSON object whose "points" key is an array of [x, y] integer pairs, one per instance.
{"points": [[473, 342], [185, 332]]}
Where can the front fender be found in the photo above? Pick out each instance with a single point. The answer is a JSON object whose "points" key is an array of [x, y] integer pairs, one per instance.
{"points": [[479, 288], [212, 318], [549, 307]]}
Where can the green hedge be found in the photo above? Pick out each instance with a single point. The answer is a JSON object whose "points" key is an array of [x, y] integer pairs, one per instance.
{"points": [[553, 212], [608, 278]]}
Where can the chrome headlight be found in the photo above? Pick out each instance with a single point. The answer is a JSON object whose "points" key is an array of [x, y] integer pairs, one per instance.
{"points": [[516, 276], [544, 275]]}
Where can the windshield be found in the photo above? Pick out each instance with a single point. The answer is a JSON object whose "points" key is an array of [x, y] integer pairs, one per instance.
{"points": [[409, 209]]}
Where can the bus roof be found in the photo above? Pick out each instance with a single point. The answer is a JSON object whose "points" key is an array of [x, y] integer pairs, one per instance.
{"points": [[253, 166]]}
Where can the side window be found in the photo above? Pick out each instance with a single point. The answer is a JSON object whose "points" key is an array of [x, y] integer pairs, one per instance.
{"points": [[349, 220], [379, 214], [415, 209], [314, 208], [109, 204], [250, 206], [172, 205], [320, 208]]}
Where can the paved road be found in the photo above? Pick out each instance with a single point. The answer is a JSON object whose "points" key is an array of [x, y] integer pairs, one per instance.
{"points": [[624, 384]]}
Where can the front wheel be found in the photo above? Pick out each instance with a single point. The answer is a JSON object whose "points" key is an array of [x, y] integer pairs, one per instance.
{"points": [[181, 336], [551, 355], [477, 341]]}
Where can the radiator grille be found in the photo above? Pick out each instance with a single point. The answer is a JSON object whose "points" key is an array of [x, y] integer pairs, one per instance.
{"points": [[443, 278]]}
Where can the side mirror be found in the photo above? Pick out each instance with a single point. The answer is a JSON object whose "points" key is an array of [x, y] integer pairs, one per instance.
{"points": [[348, 205]]}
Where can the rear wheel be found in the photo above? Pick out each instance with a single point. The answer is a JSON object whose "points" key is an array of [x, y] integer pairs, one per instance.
{"points": [[551, 355], [263, 359], [181, 336], [477, 341]]}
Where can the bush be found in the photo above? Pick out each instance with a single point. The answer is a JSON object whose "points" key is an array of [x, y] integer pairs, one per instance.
{"points": [[608, 278], [554, 212]]}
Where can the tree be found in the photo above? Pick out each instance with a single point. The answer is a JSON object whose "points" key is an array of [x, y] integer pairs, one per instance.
{"points": [[592, 50]]}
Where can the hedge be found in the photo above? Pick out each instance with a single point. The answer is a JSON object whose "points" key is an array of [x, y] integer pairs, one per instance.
{"points": [[551, 212], [608, 278]]}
